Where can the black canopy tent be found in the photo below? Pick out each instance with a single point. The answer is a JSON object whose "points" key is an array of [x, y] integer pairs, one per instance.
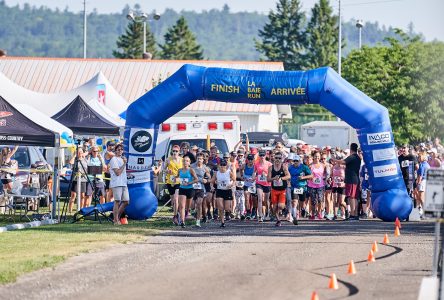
{"points": [[17, 129], [83, 120]]}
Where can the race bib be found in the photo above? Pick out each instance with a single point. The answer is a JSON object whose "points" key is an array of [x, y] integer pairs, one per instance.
{"points": [[240, 184], [34, 179], [298, 191], [337, 179], [197, 186], [173, 178], [223, 185], [366, 176], [183, 181], [317, 180], [252, 189], [263, 177], [405, 163], [278, 182]]}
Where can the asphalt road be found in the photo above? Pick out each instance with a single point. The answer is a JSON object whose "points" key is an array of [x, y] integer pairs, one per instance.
{"points": [[245, 261]]}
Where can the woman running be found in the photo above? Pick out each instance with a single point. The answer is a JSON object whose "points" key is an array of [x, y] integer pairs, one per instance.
{"points": [[173, 164], [317, 185], [299, 173], [261, 168], [338, 189], [223, 179], [187, 177], [202, 172], [249, 178]]}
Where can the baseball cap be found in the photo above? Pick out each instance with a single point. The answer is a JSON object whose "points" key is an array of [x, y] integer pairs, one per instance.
{"points": [[240, 151], [422, 145], [110, 143], [194, 147], [176, 147], [262, 152], [223, 162], [226, 155], [250, 156], [233, 153]]}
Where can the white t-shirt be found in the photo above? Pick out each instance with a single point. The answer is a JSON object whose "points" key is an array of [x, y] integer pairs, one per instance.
{"points": [[116, 163]]}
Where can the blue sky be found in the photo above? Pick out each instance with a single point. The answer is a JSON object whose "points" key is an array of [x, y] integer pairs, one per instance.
{"points": [[426, 15]]}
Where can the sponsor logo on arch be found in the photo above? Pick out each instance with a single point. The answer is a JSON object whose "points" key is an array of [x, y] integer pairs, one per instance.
{"points": [[379, 138]]}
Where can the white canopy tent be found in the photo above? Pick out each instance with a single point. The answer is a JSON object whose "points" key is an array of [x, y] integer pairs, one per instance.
{"points": [[106, 113], [50, 104]]}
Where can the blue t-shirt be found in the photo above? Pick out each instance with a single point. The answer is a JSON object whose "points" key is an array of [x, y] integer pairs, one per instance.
{"points": [[295, 172], [187, 177], [423, 167]]}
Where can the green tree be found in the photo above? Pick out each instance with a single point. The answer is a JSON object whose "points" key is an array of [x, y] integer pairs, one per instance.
{"points": [[321, 40], [282, 37], [180, 43], [131, 42], [406, 77]]}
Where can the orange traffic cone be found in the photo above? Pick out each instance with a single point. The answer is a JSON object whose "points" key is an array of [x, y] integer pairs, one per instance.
{"points": [[397, 233], [375, 247], [371, 257], [314, 296], [386, 239], [398, 223], [351, 268], [333, 284]]}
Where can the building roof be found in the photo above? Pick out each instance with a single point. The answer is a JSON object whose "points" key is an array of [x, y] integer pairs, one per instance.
{"points": [[326, 124], [130, 78]]}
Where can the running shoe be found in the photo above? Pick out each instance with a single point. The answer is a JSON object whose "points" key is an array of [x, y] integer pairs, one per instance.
{"points": [[295, 221], [278, 224], [182, 225], [311, 217], [198, 223], [303, 213], [222, 225], [242, 217], [334, 218], [319, 216], [248, 217], [347, 214], [204, 219], [260, 220], [175, 221]]}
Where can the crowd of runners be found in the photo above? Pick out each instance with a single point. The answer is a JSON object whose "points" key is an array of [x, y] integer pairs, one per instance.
{"points": [[282, 184]]}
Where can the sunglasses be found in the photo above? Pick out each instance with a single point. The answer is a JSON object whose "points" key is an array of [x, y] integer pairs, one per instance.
{"points": [[95, 151], [175, 151], [119, 149], [278, 158]]}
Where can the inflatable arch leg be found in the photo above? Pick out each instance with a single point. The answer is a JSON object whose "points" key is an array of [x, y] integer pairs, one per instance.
{"points": [[320, 86]]}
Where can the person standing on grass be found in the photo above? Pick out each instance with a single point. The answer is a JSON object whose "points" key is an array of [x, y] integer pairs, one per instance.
{"points": [[187, 177], [119, 183]]}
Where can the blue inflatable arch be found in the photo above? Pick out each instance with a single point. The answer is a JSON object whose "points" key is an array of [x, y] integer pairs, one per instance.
{"points": [[320, 86]]}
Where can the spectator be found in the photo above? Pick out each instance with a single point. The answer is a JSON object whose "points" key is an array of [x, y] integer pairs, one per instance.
{"points": [[119, 183], [421, 181], [434, 161], [9, 167], [95, 180], [438, 146], [185, 151]]}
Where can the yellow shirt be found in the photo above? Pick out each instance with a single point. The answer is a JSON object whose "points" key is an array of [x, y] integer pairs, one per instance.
{"points": [[173, 168]]}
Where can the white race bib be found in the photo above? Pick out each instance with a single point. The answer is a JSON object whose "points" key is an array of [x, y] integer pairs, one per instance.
{"points": [[298, 191], [366, 176], [405, 163], [317, 180], [263, 177], [222, 185], [337, 179], [197, 186], [240, 184], [173, 178], [278, 182], [183, 181], [252, 189]]}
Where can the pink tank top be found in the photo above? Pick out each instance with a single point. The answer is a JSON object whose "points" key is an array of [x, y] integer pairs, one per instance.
{"points": [[318, 176], [262, 173], [338, 176]]}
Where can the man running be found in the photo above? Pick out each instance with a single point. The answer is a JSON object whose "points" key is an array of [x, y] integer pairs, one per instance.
{"points": [[278, 176], [299, 173]]}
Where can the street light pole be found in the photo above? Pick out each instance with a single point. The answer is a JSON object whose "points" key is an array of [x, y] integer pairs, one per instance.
{"points": [[144, 37], [84, 28], [143, 18], [359, 25], [340, 40]]}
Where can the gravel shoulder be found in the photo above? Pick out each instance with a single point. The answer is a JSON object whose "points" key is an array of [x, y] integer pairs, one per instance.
{"points": [[244, 260]]}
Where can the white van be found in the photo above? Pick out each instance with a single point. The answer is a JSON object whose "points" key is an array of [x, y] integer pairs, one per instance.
{"points": [[223, 131]]}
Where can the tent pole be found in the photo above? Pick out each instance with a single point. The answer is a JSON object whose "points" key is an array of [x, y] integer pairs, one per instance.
{"points": [[55, 182]]}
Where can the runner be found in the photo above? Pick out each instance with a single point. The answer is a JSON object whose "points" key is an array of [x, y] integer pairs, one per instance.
{"points": [[278, 176], [223, 179], [305, 211], [338, 190], [317, 186], [328, 202], [262, 185], [173, 164], [421, 181], [299, 173], [365, 192], [249, 178], [239, 193], [202, 172], [408, 165], [187, 177]]}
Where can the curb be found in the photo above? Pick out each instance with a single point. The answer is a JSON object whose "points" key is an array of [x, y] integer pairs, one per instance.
{"points": [[27, 225]]}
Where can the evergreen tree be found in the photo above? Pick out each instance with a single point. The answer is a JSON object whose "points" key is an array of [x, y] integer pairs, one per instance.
{"points": [[282, 37], [131, 43], [322, 37], [180, 43]]}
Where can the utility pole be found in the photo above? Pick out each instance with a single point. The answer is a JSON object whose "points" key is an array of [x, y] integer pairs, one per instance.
{"points": [[84, 28], [340, 40]]}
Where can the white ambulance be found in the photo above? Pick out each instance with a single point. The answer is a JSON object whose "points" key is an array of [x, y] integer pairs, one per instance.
{"points": [[222, 131]]}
